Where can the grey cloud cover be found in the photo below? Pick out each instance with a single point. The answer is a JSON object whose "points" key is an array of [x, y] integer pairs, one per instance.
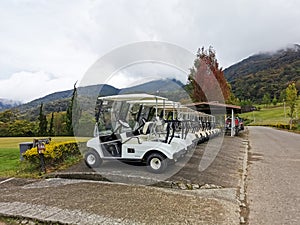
{"points": [[53, 43]]}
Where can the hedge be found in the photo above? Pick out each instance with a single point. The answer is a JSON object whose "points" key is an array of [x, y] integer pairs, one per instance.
{"points": [[54, 153]]}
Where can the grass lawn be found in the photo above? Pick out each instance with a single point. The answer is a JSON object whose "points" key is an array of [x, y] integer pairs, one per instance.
{"points": [[267, 116], [9, 161], [10, 153], [270, 116]]}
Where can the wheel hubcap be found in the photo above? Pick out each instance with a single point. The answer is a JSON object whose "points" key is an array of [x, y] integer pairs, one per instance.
{"points": [[91, 159], [155, 163]]}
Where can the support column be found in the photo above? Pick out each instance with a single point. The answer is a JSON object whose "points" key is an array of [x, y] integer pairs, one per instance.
{"points": [[232, 123]]}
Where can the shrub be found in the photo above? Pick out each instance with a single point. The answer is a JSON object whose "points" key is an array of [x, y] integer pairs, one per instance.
{"points": [[55, 153], [282, 126]]}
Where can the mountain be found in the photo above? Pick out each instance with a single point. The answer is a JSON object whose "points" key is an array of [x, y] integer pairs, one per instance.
{"points": [[7, 104], [153, 86], [169, 88], [268, 72], [59, 101]]}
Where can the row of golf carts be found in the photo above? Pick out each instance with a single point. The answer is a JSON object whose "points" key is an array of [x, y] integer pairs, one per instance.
{"points": [[146, 128]]}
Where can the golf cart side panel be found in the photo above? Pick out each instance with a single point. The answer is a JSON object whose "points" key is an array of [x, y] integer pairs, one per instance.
{"points": [[94, 143], [167, 149], [138, 151], [135, 151]]}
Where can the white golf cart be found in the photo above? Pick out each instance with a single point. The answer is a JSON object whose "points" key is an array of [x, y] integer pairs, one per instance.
{"points": [[126, 130]]}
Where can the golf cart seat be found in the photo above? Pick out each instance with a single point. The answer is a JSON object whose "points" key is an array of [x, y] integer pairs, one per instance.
{"points": [[147, 127], [146, 131], [129, 138]]}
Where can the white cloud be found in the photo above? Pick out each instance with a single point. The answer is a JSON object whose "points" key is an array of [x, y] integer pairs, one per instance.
{"points": [[27, 86], [143, 72], [65, 38], [39, 35]]}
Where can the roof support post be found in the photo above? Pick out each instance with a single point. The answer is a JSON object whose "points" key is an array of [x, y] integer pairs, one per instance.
{"points": [[232, 123]]}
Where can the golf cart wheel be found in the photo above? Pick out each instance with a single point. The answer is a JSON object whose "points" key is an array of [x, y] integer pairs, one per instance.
{"points": [[92, 159], [156, 163]]}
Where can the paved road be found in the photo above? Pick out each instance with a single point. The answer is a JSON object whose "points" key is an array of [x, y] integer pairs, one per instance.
{"points": [[274, 177]]}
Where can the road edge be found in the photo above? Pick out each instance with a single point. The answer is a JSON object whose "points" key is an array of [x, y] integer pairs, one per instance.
{"points": [[244, 208]]}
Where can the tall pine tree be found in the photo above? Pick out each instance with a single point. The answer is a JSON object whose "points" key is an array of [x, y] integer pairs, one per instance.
{"points": [[42, 122], [73, 113], [51, 131]]}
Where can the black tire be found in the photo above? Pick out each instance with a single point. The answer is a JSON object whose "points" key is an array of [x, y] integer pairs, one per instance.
{"points": [[156, 163], [92, 159]]}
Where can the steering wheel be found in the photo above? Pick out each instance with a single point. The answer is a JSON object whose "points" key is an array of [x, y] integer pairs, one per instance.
{"points": [[120, 125], [124, 124]]}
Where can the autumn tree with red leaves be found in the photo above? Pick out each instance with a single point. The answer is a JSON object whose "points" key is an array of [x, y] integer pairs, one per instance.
{"points": [[206, 81]]}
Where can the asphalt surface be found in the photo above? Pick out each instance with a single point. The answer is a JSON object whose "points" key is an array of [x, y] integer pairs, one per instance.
{"points": [[224, 153], [273, 185], [188, 193]]}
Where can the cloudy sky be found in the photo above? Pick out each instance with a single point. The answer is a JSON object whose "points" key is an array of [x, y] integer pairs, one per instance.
{"points": [[46, 46]]}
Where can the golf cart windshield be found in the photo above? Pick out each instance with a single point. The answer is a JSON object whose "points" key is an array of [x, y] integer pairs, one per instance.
{"points": [[111, 111]]}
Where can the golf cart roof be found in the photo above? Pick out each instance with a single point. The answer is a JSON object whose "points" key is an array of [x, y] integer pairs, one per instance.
{"points": [[160, 103], [186, 110], [132, 97]]}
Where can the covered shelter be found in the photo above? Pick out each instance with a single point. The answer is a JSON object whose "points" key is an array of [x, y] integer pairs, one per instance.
{"points": [[217, 108]]}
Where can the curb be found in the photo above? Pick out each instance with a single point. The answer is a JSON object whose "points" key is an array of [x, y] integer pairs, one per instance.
{"points": [[242, 197]]}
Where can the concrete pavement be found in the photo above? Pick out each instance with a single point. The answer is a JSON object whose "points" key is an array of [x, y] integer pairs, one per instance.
{"points": [[273, 182]]}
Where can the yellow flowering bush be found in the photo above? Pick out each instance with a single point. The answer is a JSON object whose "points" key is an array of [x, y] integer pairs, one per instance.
{"points": [[54, 152]]}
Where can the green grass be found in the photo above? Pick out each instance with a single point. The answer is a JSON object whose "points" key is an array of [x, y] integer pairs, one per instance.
{"points": [[9, 161], [269, 116], [266, 116], [10, 164]]}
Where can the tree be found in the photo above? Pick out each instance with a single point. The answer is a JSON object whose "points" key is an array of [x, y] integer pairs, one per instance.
{"points": [[51, 131], [59, 124], [274, 101], [21, 128], [291, 100], [42, 122], [282, 96], [206, 78], [12, 126], [232, 99], [7, 116], [266, 99], [73, 113], [298, 85]]}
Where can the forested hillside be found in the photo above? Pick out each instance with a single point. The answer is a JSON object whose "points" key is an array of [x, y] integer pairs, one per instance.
{"points": [[266, 73]]}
